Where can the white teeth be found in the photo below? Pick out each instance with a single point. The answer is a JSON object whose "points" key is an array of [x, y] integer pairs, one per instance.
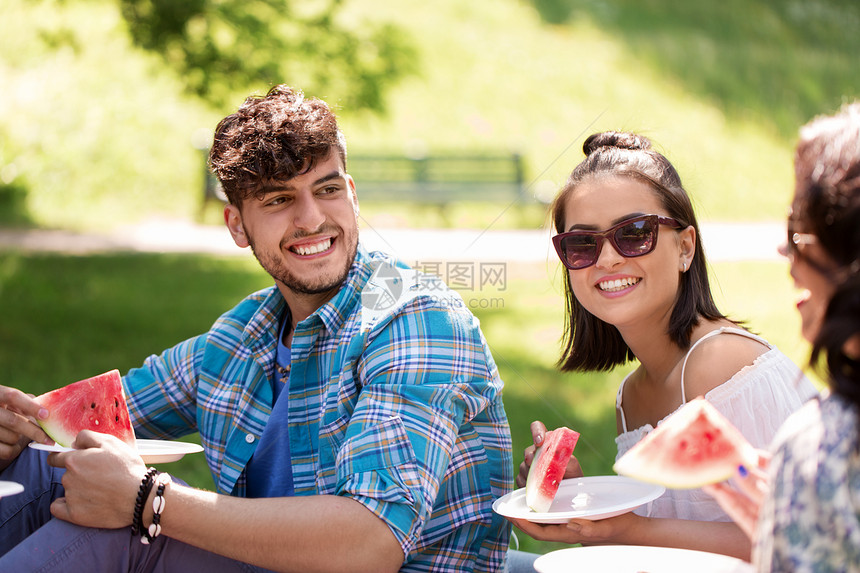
{"points": [[617, 284], [305, 250]]}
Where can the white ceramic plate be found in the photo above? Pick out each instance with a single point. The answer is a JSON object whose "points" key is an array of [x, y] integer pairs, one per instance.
{"points": [[596, 497], [10, 488], [152, 451], [632, 559]]}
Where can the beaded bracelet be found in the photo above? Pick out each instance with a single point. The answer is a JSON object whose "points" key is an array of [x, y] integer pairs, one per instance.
{"points": [[158, 504], [142, 495]]}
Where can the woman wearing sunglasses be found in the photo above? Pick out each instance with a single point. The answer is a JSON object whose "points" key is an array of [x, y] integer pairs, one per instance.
{"points": [[810, 520], [637, 289]]}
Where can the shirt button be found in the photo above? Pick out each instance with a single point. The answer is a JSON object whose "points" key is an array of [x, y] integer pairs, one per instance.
{"points": [[250, 438]]}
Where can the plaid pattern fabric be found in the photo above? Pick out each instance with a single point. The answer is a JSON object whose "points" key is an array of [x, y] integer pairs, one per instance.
{"points": [[399, 409]]}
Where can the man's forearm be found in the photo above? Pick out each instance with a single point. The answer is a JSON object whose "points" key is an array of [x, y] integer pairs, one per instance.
{"points": [[314, 533]]}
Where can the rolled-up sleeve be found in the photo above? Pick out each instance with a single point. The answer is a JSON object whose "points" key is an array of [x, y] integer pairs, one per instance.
{"points": [[379, 469]]}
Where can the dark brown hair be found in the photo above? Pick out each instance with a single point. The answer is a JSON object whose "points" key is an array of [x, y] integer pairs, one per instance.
{"points": [[827, 204], [588, 342], [272, 138]]}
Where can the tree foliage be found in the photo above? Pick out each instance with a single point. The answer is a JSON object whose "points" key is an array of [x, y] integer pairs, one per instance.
{"points": [[223, 47]]}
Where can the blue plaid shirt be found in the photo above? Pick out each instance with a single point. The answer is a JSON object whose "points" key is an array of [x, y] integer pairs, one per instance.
{"points": [[399, 408]]}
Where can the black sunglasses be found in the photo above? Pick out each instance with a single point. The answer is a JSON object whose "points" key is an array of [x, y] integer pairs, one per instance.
{"points": [[631, 238]]}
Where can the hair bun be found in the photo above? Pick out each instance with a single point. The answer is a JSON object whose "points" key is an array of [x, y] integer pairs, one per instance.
{"points": [[617, 139]]}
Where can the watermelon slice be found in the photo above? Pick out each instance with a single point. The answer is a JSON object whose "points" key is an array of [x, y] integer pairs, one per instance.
{"points": [[547, 469], [96, 404], [695, 446]]}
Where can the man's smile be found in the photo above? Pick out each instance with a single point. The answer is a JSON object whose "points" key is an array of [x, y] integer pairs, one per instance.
{"points": [[308, 249]]}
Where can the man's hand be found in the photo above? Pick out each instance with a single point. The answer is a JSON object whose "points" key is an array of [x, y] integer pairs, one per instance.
{"points": [[538, 436], [17, 427], [102, 480], [744, 504]]}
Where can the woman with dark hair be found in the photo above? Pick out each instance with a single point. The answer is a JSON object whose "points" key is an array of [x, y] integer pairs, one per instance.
{"points": [[810, 518], [630, 296]]}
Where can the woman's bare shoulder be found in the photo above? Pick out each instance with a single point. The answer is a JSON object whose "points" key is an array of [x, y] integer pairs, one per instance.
{"points": [[717, 359]]}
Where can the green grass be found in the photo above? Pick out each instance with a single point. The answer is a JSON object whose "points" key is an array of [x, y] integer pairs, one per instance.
{"points": [[98, 135], [67, 318], [542, 89], [775, 62]]}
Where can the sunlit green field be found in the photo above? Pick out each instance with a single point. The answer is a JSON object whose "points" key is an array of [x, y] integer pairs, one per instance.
{"points": [[97, 133]]}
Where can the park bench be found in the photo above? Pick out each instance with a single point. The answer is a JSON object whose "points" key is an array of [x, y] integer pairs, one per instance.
{"points": [[439, 179], [432, 180]]}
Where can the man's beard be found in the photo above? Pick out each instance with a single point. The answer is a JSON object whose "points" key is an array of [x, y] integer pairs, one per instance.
{"points": [[278, 270]]}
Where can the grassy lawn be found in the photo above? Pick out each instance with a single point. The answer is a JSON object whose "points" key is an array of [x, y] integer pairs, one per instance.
{"points": [[774, 61], [95, 133], [67, 318]]}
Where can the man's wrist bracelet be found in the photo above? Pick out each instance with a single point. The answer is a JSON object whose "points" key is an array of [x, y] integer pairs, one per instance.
{"points": [[142, 496], [158, 504]]}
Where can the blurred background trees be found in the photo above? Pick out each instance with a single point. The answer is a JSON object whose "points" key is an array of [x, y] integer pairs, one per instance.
{"points": [[219, 48]]}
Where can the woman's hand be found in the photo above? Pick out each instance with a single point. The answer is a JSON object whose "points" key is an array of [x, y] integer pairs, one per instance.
{"points": [[17, 427], [102, 479], [744, 503], [602, 531], [538, 435]]}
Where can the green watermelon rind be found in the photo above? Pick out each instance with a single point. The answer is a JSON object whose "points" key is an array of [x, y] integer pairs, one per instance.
{"points": [[56, 434], [652, 460], [56, 429]]}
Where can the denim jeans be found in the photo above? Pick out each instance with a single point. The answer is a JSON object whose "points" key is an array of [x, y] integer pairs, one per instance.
{"points": [[520, 561], [32, 540]]}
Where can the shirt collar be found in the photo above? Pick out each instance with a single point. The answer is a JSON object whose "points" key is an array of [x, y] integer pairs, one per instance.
{"points": [[334, 312]]}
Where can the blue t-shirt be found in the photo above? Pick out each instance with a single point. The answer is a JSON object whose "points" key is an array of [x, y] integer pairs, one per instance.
{"points": [[269, 471]]}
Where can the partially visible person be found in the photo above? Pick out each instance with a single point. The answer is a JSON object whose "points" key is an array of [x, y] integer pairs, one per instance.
{"points": [[805, 509], [351, 413], [637, 288]]}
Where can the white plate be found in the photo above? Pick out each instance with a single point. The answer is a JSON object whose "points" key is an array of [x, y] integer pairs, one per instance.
{"points": [[596, 497], [10, 488], [631, 559], [152, 451]]}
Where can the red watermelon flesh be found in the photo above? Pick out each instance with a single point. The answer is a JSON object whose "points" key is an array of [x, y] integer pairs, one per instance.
{"points": [[695, 446], [547, 469], [96, 404]]}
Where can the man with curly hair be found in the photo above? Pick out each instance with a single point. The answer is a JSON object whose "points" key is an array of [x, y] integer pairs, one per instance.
{"points": [[351, 414]]}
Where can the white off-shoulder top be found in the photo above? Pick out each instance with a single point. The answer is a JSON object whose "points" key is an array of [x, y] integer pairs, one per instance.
{"points": [[757, 399]]}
